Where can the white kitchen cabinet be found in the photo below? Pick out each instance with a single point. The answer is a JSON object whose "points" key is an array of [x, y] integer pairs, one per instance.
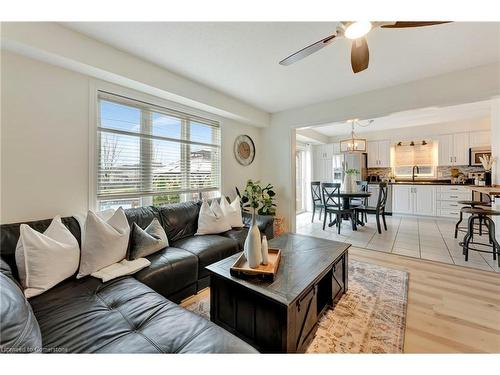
{"points": [[453, 149], [424, 200], [372, 154], [384, 154], [480, 139], [402, 199], [447, 198], [414, 200], [327, 165], [379, 154], [336, 148], [445, 149], [373, 199], [322, 163], [461, 148], [325, 151]]}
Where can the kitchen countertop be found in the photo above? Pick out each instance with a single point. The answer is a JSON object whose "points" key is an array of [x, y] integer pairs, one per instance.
{"points": [[436, 182], [490, 190]]}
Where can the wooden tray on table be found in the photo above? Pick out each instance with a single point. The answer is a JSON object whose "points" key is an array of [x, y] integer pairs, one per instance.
{"points": [[240, 268]]}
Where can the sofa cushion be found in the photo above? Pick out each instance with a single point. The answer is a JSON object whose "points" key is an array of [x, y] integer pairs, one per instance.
{"points": [[20, 332], [179, 220], [9, 236], [237, 234], [171, 270], [147, 241], [45, 259], [124, 316], [142, 216], [209, 249]]}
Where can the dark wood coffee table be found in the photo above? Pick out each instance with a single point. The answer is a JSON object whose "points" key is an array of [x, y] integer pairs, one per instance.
{"points": [[281, 316]]}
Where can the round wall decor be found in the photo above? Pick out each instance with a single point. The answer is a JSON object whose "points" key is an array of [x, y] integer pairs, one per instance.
{"points": [[244, 149]]}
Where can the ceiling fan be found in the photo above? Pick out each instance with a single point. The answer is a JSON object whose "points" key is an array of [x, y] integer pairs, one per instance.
{"points": [[355, 31]]}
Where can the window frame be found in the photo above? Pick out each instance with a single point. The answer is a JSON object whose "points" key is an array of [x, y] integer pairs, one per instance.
{"points": [[98, 86]]}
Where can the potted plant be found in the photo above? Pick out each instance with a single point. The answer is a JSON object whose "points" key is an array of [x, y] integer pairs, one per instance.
{"points": [[487, 162], [260, 201]]}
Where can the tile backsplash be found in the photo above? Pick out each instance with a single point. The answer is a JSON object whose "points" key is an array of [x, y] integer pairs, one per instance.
{"points": [[381, 172], [445, 172], [442, 172]]}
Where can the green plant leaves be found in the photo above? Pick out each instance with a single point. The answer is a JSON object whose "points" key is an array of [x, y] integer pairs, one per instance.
{"points": [[259, 198]]}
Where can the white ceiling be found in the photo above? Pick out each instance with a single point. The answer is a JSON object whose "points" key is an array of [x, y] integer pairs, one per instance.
{"points": [[407, 119], [241, 59]]}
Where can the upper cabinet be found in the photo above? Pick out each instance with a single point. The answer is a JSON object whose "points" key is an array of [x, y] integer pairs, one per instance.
{"points": [[480, 139], [384, 154], [379, 154], [453, 149], [322, 163], [445, 149], [336, 148], [461, 148], [324, 151]]}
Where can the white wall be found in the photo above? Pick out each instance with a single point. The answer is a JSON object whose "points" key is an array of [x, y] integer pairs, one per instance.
{"points": [[233, 173], [58, 45], [424, 131], [467, 86], [495, 141], [45, 141]]}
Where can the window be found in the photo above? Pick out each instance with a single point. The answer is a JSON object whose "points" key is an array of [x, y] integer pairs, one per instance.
{"points": [[152, 155], [408, 155]]}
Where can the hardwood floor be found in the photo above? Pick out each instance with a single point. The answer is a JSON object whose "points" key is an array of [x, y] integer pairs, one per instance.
{"points": [[451, 309]]}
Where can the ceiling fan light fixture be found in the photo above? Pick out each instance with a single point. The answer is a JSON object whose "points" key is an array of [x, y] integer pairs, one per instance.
{"points": [[357, 29]]}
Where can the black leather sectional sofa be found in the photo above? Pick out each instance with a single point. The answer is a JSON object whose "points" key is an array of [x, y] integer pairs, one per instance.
{"points": [[133, 314]]}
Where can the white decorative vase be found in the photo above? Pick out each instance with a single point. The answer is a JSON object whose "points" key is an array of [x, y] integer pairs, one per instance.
{"points": [[265, 251], [253, 245], [348, 183]]}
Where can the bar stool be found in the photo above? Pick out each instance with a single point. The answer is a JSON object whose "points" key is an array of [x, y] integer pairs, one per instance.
{"points": [[470, 204], [483, 215]]}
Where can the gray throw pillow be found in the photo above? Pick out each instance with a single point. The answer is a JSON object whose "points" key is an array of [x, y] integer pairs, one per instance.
{"points": [[147, 241]]}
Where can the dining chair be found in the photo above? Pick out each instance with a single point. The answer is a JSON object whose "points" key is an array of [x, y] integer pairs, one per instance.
{"points": [[379, 210], [333, 204], [317, 201], [362, 186]]}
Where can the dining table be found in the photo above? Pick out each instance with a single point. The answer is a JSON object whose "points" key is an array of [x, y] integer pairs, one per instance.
{"points": [[346, 197]]}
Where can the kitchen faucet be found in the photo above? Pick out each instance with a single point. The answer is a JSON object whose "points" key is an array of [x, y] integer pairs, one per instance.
{"points": [[413, 172]]}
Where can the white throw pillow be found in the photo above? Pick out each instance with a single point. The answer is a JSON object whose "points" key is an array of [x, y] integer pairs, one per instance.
{"points": [[232, 212], [45, 259], [104, 242], [209, 222], [123, 268]]}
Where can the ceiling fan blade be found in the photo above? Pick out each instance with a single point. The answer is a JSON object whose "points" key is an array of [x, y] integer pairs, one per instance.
{"points": [[360, 55], [406, 24], [309, 50]]}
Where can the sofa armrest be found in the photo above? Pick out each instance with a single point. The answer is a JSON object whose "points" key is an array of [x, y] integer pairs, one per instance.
{"points": [[264, 222]]}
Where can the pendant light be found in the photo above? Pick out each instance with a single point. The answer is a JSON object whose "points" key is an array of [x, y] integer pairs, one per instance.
{"points": [[353, 144]]}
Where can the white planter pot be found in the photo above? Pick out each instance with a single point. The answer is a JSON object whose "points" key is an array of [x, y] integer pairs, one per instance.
{"points": [[348, 183]]}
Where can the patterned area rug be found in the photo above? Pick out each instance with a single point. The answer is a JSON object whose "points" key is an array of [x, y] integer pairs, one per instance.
{"points": [[369, 318]]}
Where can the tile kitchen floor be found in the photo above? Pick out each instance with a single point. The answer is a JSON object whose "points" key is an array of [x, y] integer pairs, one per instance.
{"points": [[425, 238]]}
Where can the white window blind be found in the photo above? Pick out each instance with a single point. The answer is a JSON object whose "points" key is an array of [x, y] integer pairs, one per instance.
{"points": [[153, 155], [406, 156]]}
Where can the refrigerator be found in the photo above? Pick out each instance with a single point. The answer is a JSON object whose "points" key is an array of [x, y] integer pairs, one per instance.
{"points": [[356, 160]]}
